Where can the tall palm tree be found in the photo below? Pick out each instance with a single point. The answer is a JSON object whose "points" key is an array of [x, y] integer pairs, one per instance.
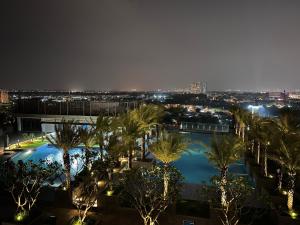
{"points": [[88, 139], [130, 130], [66, 137], [167, 149], [147, 116], [257, 132], [288, 155], [114, 147], [261, 133], [224, 151], [266, 136], [235, 114], [287, 123], [6, 120], [102, 129], [241, 118]]}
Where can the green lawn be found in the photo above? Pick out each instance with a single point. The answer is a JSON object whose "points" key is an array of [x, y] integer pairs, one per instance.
{"points": [[30, 144]]}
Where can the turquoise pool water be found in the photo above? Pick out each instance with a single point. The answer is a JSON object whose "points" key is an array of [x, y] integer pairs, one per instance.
{"points": [[50, 154], [193, 164]]}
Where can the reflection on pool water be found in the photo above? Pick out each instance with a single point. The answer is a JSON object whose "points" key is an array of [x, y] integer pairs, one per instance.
{"points": [[193, 164], [51, 154]]}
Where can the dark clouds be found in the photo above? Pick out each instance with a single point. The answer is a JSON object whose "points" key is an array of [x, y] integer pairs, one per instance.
{"points": [[150, 44]]}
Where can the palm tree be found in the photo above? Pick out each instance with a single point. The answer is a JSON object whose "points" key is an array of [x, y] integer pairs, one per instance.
{"points": [[261, 131], [130, 130], [266, 138], [224, 151], [257, 132], [102, 129], [6, 120], [147, 116], [66, 137], [288, 155], [113, 148], [167, 149], [288, 123], [241, 118], [88, 139], [285, 125]]}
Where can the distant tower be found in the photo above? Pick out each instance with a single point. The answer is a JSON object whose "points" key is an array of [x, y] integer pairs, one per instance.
{"points": [[204, 87], [284, 97], [195, 88], [198, 88]]}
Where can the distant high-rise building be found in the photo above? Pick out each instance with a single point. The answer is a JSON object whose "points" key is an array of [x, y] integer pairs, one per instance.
{"points": [[204, 87], [198, 87], [4, 96], [195, 88]]}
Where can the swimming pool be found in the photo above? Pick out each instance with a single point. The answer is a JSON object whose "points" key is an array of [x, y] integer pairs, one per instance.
{"points": [[193, 164], [51, 154]]}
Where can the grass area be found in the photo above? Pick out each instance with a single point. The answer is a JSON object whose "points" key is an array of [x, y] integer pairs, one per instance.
{"points": [[36, 142]]}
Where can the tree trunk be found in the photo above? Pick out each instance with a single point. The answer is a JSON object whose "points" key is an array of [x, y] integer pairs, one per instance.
{"points": [[87, 158], [222, 187], [280, 179], [83, 217], [243, 133], [236, 129], [67, 165], [148, 221], [252, 147], [258, 153], [291, 190], [143, 147], [130, 159], [266, 162], [166, 182], [101, 152]]}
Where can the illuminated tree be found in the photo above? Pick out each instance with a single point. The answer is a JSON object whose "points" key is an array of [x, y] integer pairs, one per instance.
{"points": [[85, 196], [241, 118], [144, 189], [88, 139], [240, 195], [130, 130], [167, 149], [288, 155], [103, 127], [148, 116], [66, 137], [224, 151], [24, 182]]}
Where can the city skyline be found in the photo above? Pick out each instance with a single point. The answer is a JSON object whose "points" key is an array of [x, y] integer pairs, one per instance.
{"points": [[150, 45]]}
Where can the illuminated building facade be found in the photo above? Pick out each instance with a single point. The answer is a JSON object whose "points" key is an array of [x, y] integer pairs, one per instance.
{"points": [[4, 97], [198, 88]]}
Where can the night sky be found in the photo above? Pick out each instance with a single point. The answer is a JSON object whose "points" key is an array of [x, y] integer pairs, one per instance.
{"points": [[149, 44]]}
